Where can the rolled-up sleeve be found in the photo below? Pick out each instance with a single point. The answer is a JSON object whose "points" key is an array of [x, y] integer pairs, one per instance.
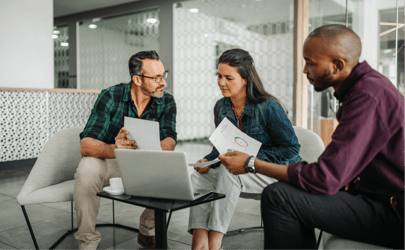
{"points": [[359, 137], [99, 120], [168, 121]]}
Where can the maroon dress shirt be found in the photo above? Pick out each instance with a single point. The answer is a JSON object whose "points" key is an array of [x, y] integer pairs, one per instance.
{"points": [[368, 143]]}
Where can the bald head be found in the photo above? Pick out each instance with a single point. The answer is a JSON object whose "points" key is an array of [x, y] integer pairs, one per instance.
{"points": [[331, 52], [339, 42]]}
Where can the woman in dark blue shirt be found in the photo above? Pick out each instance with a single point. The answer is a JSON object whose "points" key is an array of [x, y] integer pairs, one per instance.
{"points": [[256, 113]]}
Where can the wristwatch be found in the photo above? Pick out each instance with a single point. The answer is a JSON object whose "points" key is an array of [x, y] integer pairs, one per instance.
{"points": [[250, 165]]}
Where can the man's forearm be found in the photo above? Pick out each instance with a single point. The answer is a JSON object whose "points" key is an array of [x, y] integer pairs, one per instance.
{"points": [[276, 171], [98, 149], [168, 143]]}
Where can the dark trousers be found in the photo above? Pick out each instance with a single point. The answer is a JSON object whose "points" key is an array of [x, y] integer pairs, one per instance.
{"points": [[290, 215]]}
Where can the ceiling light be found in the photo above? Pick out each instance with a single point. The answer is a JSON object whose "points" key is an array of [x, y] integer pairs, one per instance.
{"points": [[64, 44], [386, 51], [194, 10], [97, 19], [54, 36], [56, 32], [92, 26], [151, 20]]}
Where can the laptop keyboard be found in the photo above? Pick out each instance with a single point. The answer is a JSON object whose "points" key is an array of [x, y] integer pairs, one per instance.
{"points": [[195, 194]]}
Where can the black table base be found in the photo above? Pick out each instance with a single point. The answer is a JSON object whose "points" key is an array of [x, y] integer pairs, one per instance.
{"points": [[161, 208]]}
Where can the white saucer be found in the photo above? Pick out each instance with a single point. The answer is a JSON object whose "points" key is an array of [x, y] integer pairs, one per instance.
{"points": [[113, 192]]}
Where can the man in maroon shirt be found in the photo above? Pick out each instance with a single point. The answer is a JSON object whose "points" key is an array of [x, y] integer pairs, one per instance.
{"points": [[356, 188]]}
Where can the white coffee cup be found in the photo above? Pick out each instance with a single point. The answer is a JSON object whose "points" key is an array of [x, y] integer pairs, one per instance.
{"points": [[116, 183]]}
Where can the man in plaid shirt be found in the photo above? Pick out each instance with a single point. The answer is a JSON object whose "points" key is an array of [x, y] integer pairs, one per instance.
{"points": [[142, 98]]}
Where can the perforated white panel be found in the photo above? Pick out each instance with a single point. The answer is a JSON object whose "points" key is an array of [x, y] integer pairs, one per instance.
{"points": [[28, 119]]}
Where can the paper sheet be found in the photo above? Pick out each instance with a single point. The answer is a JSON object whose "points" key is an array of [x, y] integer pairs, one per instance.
{"points": [[144, 132], [203, 164], [228, 136]]}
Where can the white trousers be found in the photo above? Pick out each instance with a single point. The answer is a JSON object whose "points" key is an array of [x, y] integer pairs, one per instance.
{"points": [[217, 215]]}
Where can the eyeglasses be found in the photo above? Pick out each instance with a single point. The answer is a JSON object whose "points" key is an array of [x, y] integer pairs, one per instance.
{"points": [[157, 79]]}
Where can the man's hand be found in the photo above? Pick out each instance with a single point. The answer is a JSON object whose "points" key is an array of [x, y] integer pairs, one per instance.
{"points": [[121, 141], [347, 186], [234, 162], [202, 170]]}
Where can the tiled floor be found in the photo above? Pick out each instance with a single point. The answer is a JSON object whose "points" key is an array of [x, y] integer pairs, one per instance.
{"points": [[51, 220]]}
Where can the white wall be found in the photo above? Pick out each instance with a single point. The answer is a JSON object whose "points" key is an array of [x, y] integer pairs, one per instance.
{"points": [[26, 45]]}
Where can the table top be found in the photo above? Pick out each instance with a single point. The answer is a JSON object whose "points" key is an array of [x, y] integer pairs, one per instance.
{"points": [[165, 205]]}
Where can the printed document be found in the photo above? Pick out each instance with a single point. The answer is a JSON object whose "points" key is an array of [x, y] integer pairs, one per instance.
{"points": [[203, 164], [228, 136], [145, 133]]}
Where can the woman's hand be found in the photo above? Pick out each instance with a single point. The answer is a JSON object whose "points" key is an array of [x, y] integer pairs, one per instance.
{"points": [[202, 170], [121, 141]]}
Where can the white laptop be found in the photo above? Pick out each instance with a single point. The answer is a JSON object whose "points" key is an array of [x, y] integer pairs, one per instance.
{"points": [[156, 174]]}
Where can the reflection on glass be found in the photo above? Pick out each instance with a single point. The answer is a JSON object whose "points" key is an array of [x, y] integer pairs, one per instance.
{"points": [[375, 24], [203, 31], [390, 50], [61, 57], [322, 105], [105, 46]]}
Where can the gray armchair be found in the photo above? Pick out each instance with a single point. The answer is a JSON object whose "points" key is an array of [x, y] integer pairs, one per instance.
{"points": [[52, 177]]}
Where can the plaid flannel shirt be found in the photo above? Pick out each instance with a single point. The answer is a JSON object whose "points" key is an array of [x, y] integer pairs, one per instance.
{"points": [[115, 102]]}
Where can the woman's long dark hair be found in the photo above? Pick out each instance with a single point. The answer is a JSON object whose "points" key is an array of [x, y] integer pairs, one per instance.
{"points": [[241, 59]]}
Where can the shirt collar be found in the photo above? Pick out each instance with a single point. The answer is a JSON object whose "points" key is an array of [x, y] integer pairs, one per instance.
{"points": [[357, 73], [249, 107], [127, 95]]}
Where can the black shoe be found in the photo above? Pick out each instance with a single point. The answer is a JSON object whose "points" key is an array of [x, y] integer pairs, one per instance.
{"points": [[146, 241]]}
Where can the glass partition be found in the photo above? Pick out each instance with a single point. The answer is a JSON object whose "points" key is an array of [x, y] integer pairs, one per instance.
{"points": [[203, 30], [322, 106], [61, 57], [391, 47], [105, 46], [375, 22]]}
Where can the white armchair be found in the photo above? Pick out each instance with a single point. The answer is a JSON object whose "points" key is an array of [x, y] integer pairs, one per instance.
{"points": [[52, 177]]}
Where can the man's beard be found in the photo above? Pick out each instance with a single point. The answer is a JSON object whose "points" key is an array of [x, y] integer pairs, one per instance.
{"points": [[325, 82], [151, 93]]}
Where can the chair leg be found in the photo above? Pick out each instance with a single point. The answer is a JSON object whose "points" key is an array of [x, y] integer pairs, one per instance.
{"points": [[168, 221], [319, 240], [73, 230], [68, 231], [71, 213], [29, 227]]}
